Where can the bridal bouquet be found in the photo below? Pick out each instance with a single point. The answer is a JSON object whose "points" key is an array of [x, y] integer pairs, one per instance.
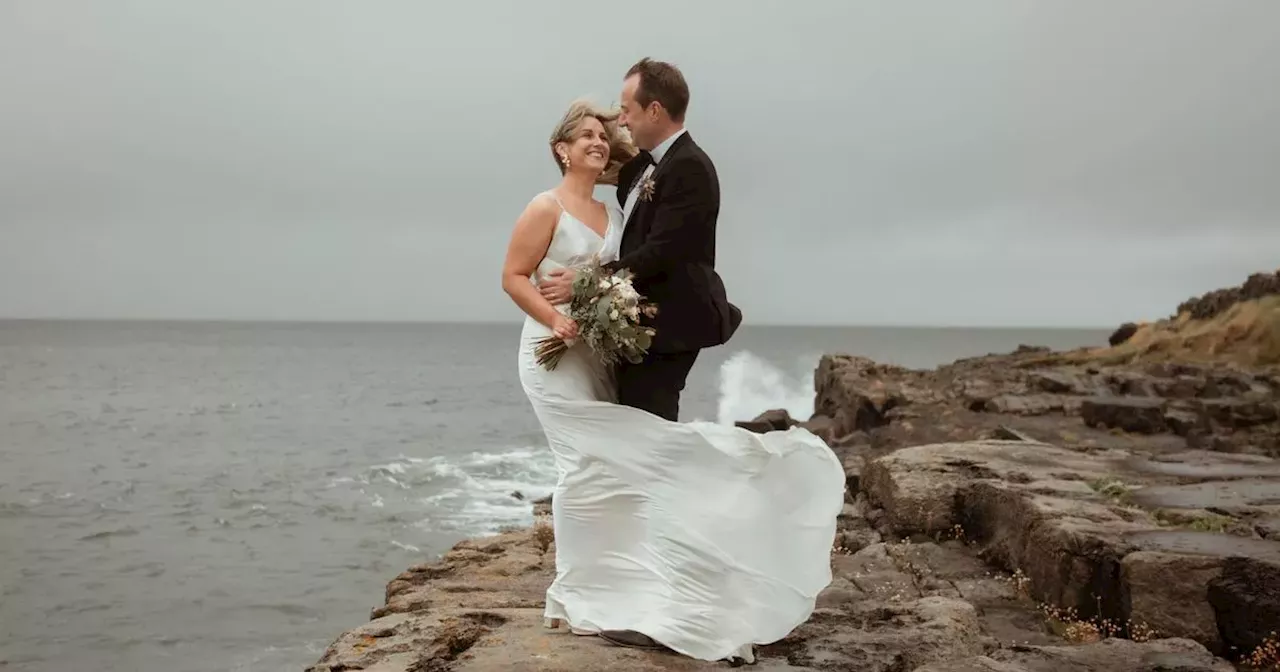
{"points": [[607, 309]]}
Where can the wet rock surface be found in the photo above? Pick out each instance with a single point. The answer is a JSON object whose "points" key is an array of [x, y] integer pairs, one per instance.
{"points": [[1003, 515]]}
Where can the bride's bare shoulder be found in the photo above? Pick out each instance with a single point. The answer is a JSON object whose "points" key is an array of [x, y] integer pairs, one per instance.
{"points": [[544, 204], [541, 213]]}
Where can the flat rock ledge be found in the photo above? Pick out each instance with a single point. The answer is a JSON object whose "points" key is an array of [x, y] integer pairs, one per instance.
{"points": [[989, 555], [924, 606], [1001, 516], [1103, 538]]}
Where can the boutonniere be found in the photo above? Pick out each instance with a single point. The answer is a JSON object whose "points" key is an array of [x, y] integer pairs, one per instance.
{"points": [[647, 187]]}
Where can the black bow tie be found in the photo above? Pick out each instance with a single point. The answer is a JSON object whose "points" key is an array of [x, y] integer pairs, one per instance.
{"points": [[645, 157]]}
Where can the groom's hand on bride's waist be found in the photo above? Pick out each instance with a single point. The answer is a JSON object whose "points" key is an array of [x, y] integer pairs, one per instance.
{"points": [[557, 285]]}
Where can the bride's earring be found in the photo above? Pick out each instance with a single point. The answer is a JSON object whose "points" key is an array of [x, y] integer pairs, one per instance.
{"points": [[564, 158]]}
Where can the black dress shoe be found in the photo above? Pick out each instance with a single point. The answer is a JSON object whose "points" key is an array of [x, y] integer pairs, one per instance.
{"points": [[631, 639]]}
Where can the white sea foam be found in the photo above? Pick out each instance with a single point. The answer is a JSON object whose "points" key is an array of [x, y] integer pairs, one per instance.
{"points": [[749, 385], [482, 492]]}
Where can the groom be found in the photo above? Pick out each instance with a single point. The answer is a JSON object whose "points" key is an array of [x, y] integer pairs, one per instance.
{"points": [[670, 197]]}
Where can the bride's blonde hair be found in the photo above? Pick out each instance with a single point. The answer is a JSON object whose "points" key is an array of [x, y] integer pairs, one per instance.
{"points": [[621, 149]]}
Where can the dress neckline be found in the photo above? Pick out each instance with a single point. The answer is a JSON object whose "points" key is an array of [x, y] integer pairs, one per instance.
{"points": [[608, 222], [608, 216]]}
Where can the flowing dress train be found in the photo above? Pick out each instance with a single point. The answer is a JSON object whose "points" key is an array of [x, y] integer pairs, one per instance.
{"points": [[706, 537]]}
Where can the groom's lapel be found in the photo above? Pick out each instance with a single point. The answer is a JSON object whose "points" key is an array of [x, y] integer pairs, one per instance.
{"points": [[627, 179], [658, 171], [661, 169], [674, 149]]}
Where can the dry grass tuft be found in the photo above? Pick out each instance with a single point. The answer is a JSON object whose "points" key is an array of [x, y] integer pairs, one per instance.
{"points": [[1248, 334], [1112, 488], [1066, 623], [543, 533]]}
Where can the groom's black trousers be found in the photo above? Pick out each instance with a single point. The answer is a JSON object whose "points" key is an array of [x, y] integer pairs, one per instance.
{"points": [[656, 382]]}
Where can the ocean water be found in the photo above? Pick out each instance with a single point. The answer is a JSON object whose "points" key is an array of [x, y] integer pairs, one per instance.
{"points": [[209, 497]]}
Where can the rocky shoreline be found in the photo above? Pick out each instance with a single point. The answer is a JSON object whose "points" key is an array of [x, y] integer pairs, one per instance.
{"points": [[1023, 512]]}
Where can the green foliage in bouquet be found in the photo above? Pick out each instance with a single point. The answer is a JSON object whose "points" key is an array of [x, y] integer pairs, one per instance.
{"points": [[608, 310]]}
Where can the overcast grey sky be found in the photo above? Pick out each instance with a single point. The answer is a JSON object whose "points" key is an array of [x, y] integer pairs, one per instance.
{"points": [[963, 163]]}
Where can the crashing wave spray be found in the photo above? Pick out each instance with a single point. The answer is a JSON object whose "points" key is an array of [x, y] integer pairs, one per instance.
{"points": [[750, 385]]}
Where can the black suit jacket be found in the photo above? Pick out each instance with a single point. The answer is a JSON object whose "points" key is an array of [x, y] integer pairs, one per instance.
{"points": [[669, 244]]}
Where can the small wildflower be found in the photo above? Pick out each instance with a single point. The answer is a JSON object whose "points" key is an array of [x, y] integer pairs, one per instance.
{"points": [[1267, 655]]}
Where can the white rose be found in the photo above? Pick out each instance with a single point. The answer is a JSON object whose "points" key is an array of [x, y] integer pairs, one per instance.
{"points": [[613, 314]]}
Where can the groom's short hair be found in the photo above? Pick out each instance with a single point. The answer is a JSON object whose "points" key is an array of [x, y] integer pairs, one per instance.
{"points": [[662, 82]]}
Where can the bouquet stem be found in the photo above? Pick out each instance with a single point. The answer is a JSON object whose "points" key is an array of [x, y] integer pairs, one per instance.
{"points": [[549, 350]]}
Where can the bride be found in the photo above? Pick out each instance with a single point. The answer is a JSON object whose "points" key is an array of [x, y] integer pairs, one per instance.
{"points": [[701, 537]]}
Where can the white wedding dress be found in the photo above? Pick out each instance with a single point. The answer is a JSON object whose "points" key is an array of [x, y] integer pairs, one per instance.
{"points": [[706, 537]]}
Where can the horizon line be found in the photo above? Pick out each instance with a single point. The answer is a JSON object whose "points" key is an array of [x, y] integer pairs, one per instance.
{"points": [[410, 322]]}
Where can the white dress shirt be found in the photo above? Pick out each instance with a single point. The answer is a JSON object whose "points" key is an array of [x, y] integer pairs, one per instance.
{"points": [[657, 153]]}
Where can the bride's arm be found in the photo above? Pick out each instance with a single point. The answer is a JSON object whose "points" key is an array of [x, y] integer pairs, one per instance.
{"points": [[528, 246]]}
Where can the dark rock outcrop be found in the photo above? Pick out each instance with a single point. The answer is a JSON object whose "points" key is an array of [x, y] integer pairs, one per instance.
{"points": [[1141, 415], [1218, 301], [770, 421], [1246, 598], [1122, 333]]}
